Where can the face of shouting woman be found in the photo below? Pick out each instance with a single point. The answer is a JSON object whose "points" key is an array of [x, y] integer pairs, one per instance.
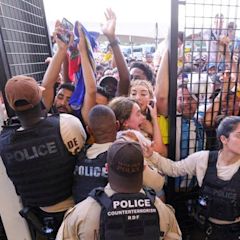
{"points": [[135, 120]]}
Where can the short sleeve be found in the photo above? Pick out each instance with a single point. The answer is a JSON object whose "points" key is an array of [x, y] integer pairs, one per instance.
{"points": [[72, 132]]}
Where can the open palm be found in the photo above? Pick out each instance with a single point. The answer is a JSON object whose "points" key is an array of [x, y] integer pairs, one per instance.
{"points": [[108, 28]]}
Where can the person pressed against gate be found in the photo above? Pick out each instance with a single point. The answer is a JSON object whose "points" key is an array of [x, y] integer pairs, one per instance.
{"points": [[186, 104]]}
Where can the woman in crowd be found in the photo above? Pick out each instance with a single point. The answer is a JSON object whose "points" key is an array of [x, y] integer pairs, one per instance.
{"points": [[153, 126], [128, 113], [218, 175]]}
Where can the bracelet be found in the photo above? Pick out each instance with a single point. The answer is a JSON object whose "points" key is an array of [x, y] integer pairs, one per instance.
{"points": [[115, 42]]}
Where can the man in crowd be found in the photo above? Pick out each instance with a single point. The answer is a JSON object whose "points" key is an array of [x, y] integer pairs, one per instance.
{"points": [[65, 91], [190, 135], [140, 70]]}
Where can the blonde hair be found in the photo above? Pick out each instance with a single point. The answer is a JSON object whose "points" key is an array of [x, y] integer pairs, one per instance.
{"points": [[145, 84]]}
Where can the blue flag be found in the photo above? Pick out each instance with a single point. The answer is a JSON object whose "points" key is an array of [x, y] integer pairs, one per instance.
{"points": [[77, 98]]}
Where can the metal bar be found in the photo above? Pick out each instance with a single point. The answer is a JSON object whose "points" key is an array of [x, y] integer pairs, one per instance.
{"points": [[173, 49]]}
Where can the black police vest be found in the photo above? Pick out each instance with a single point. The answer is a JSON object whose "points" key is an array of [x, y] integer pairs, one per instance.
{"points": [[89, 174], [219, 199], [38, 163], [127, 216]]}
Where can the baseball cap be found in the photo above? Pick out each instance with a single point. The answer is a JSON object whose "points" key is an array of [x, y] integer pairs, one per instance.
{"points": [[23, 93], [125, 159], [210, 65], [110, 84]]}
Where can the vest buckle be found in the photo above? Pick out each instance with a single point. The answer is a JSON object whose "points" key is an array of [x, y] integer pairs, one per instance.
{"points": [[209, 230]]}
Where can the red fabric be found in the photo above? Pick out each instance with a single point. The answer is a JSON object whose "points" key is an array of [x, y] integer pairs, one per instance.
{"points": [[73, 66]]}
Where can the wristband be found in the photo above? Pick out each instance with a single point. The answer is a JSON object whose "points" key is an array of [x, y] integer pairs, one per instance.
{"points": [[115, 42]]}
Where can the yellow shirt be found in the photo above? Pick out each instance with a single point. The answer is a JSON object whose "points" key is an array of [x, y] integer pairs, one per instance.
{"points": [[107, 57], [163, 126]]}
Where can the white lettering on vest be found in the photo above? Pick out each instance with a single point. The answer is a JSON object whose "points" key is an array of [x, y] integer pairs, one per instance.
{"points": [[90, 171], [132, 203], [33, 152]]}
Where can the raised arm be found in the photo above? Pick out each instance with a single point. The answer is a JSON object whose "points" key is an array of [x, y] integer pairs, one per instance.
{"points": [[89, 77], [162, 85], [189, 165], [108, 30], [54, 68], [228, 83], [213, 110]]}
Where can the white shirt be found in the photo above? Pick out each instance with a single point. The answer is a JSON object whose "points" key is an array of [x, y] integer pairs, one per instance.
{"points": [[196, 165]]}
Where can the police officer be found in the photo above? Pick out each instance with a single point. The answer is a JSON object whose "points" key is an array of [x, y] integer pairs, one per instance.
{"points": [[39, 154], [90, 170], [125, 174], [218, 175]]}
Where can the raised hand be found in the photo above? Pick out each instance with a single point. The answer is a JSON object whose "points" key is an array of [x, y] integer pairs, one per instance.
{"points": [[108, 28], [147, 149], [57, 32], [227, 82], [82, 45]]}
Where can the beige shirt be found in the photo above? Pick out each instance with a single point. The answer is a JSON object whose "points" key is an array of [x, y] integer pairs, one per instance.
{"points": [[195, 165], [74, 137], [97, 149], [82, 221], [151, 176]]}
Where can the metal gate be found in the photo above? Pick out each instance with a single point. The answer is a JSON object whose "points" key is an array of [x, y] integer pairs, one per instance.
{"points": [[207, 65], [24, 40]]}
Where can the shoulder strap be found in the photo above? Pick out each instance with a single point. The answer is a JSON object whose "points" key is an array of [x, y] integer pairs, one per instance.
{"points": [[83, 153], [212, 159], [211, 168], [150, 193], [101, 197]]}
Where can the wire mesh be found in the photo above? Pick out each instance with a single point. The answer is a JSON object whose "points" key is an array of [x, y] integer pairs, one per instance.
{"points": [[208, 67], [25, 37], [208, 88]]}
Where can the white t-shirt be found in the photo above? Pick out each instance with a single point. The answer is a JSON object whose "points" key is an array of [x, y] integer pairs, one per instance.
{"points": [[72, 130], [195, 164]]}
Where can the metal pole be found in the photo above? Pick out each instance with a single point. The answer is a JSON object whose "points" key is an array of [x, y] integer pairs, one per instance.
{"points": [[173, 49]]}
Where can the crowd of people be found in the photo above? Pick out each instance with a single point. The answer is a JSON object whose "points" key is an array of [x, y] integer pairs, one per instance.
{"points": [[97, 171]]}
